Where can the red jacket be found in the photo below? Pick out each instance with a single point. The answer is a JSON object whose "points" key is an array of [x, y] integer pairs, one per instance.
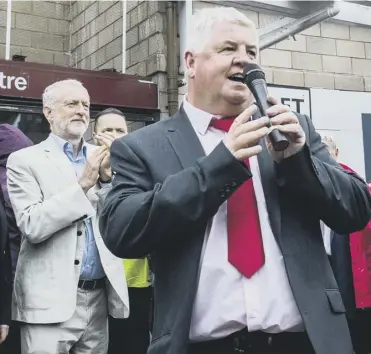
{"points": [[360, 248]]}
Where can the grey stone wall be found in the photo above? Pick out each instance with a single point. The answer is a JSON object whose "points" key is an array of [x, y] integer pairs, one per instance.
{"points": [[40, 31], [96, 34], [327, 55], [96, 39], [88, 35], [146, 44]]}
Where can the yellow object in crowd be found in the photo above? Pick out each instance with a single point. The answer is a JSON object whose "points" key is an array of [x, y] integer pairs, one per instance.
{"points": [[137, 272]]}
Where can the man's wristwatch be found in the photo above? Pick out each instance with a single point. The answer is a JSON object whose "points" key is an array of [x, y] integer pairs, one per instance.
{"points": [[104, 182]]}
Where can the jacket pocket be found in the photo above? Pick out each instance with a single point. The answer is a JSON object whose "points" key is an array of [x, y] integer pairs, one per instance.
{"points": [[34, 286], [335, 300], [160, 345]]}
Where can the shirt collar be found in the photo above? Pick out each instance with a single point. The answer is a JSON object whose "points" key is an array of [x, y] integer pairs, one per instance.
{"points": [[66, 146], [199, 119]]}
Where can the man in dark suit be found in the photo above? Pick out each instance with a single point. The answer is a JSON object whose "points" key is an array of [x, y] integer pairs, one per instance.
{"points": [[338, 248], [232, 226], [130, 335], [11, 139]]}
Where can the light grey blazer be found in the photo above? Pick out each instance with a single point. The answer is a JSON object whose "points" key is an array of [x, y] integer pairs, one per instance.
{"points": [[50, 208]]}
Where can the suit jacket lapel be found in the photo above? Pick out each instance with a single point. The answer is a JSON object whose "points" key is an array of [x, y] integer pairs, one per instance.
{"points": [[57, 156], [188, 148], [267, 173], [184, 140]]}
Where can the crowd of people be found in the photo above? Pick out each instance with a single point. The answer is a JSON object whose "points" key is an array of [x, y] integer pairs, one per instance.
{"points": [[189, 236], [67, 287]]}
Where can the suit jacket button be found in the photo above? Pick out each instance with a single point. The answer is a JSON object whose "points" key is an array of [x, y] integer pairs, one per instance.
{"points": [[79, 233], [77, 262]]}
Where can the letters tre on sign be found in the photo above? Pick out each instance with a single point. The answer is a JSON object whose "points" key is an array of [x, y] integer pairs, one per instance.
{"points": [[8, 82]]}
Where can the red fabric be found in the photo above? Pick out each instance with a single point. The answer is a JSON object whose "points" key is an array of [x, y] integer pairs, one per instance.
{"points": [[245, 245], [360, 249], [347, 168]]}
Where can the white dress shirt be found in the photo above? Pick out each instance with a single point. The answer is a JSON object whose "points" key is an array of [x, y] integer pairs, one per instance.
{"points": [[327, 236], [226, 301]]}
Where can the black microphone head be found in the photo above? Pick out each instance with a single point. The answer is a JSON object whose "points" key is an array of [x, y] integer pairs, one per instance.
{"points": [[252, 72]]}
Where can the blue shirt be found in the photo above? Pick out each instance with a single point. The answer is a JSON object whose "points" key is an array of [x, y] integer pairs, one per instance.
{"points": [[91, 267]]}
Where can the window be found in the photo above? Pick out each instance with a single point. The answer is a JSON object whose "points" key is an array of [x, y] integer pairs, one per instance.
{"points": [[32, 124]]}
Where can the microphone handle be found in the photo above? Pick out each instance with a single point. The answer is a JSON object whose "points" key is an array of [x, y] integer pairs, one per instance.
{"points": [[259, 90]]}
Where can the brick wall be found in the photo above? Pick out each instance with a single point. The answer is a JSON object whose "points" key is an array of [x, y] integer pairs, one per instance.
{"points": [[327, 55], [146, 44], [40, 31], [96, 39], [96, 34]]}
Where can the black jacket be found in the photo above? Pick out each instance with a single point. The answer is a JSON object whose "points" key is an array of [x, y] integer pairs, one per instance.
{"points": [[165, 190], [5, 270]]}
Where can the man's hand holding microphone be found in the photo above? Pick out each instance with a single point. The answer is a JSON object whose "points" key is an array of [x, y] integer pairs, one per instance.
{"points": [[244, 135]]}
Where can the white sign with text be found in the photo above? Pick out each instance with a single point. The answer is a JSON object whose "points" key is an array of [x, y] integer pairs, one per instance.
{"points": [[8, 82], [297, 98]]}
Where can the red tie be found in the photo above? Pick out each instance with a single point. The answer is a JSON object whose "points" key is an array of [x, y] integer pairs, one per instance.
{"points": [[245, 245]]}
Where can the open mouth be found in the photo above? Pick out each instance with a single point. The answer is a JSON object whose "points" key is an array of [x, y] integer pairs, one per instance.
{"points": [[236, 78]]}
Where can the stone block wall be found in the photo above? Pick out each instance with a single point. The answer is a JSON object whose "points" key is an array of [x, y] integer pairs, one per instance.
{"points": [[327, 55], [96, 34], [39, 31], [88, 35], [96, 39], [146, 47]]}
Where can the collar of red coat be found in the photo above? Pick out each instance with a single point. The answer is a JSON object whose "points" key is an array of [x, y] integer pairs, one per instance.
{"points": [[346, 168]]}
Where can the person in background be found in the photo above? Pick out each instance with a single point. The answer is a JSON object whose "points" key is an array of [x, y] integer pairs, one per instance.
{"points": [[338, 248], [347, 254], [5, 280], [361, 256], [66, 281], [11, 139], [131, 335]]}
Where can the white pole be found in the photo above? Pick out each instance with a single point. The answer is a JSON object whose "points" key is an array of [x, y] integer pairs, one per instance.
{"points": [[8, 29], [124, 11], [185, 14]]}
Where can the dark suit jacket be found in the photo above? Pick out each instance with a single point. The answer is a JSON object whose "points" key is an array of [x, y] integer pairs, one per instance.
{"points": [[5, 269], [341, 264], [165, 190]]}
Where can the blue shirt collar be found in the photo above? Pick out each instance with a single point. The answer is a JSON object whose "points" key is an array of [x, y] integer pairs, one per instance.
{"points": [[67, 147]]}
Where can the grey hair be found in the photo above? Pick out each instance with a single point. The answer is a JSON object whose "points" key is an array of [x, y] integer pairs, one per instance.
{"points": [[329, 141], [200, 29], [49, 96]]}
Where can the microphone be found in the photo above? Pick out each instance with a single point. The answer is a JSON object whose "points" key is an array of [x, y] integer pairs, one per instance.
{"points": [[254, 78]]}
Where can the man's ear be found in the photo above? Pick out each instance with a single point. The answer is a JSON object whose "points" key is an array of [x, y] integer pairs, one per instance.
{"points": [[189, 60], [47, 113], [96, 142]]}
